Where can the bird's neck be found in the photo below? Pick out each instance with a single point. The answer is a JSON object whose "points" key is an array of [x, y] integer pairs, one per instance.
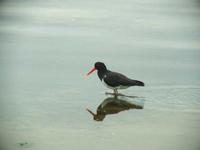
{"points": [[101, 74]]}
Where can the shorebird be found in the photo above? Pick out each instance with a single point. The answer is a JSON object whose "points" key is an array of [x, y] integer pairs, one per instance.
{"points": [[113, 80]]}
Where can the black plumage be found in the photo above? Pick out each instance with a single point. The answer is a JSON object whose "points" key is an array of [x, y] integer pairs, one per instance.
{"points": [[114, 80]]}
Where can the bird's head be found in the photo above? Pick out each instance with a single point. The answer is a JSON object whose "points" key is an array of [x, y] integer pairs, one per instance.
{"points": [[97, 66], [100, 66]]}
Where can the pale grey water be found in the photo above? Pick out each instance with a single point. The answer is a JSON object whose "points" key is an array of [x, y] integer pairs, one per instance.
{"points": [[48, 46]]}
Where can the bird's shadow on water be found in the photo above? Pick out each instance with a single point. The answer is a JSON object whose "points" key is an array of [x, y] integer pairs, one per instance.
{"points": [[115, 104]]}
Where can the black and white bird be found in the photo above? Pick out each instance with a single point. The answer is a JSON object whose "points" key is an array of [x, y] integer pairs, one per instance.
{"points": [[113, 80]]}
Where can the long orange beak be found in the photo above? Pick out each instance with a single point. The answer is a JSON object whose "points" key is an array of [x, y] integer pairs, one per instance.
{"points": [[93, 69]]}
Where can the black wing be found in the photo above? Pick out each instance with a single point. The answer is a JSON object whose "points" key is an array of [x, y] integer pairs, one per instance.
{"points": [[116, 79]]}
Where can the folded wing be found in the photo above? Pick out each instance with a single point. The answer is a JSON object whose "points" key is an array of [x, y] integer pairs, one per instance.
{"points": [[115, 79]]}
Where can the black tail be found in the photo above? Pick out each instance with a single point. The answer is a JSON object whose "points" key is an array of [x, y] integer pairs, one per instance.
{"points": [[137, 83]]}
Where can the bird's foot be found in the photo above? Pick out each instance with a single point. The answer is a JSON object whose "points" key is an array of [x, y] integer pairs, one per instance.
{"points": [[108, 93], [119, 94], [114, 94]]}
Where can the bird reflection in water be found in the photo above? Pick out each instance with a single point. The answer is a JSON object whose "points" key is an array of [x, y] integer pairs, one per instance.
{"points": [[114, 105]]}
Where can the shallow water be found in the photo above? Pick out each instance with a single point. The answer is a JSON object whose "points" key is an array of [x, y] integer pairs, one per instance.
{"points": [[48, 47]]}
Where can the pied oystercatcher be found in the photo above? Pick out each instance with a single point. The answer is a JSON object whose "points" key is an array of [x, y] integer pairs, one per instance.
{"points": [[113, 80]]}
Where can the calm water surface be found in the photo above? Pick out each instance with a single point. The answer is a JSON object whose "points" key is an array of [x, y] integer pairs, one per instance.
{"points": [[48, 46]]}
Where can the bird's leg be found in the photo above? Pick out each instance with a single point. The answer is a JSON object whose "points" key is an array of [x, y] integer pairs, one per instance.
{"points": [[115, 92]]}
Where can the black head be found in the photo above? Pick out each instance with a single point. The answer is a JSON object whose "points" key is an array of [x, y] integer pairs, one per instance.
{"points": [[100, 66]]}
